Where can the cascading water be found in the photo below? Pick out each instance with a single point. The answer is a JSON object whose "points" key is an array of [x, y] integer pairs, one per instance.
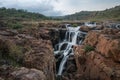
{"points": [[64, 49], [90, 24]]}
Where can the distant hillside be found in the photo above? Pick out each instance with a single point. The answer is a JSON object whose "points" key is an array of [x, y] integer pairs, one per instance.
{"points": [[112, 13], [19, 14]]}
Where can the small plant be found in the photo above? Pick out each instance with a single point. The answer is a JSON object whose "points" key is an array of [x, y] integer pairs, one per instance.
{"points": [[17, 26], [15, 52], [88, 48], [74, 25], [11, 53]]}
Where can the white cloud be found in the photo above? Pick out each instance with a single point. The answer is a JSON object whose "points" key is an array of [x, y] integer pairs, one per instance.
{"points": [[72, 6], [42, 6], [59, 7]]}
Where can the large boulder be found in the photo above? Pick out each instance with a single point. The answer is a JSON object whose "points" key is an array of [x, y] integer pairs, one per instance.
{"points": [[107, 43], [93, 66], [27, 74], [91, 38], [109, 47]]}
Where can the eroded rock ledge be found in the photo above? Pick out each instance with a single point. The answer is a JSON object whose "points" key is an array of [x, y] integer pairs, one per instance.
{"points": [[99, 61], [26, 54]]}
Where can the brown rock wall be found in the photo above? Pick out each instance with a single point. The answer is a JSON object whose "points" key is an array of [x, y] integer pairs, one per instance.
{"points": [[103, 62]]}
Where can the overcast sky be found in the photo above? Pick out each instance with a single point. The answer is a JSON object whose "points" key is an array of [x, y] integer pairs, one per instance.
{"points": [[59, 7]]}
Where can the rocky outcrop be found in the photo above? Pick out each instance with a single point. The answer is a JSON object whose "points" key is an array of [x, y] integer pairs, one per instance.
{"points": [[5, 70], [85, 28], [102, 62], [41, 57], [27, 74], [105, 42], [30, 48], [51, 34]]}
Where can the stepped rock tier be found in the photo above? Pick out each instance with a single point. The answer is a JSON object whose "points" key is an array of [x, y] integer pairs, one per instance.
{"points": [[59, 51]]}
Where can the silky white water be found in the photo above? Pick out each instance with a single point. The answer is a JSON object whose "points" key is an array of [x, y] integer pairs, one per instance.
{"points": [[73, 37]]}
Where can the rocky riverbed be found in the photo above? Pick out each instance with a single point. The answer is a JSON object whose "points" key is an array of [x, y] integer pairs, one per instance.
{"points": [[28, 54]]}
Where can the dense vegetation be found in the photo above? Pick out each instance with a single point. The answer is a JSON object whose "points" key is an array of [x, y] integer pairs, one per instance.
{"points": [[20, 14], [12, 18], [23, 15], [112, 13]]}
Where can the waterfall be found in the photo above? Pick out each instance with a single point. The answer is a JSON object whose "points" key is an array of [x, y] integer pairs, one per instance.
{"points": [[64, 49], [90, 24]]}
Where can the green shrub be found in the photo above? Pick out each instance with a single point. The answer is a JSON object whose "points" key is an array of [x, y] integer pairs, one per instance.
{"points": [[88, 48], [16, 54], [15, 25], [11, 53], [74, 25]]}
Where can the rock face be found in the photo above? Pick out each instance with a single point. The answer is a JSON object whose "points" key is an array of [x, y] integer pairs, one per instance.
{"points": [[27, 74], [41, 57], [102, 62], [28, 54], [30, 48], [51, 34], [106, 43]]}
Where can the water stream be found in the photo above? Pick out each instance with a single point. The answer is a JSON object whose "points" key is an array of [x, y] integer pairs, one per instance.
{"points": [[64, 48]]}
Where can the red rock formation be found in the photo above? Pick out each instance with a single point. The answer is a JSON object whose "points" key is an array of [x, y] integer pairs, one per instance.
{"points": [[105, 42], [103, 62], [31, 49], [41, 57]]}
